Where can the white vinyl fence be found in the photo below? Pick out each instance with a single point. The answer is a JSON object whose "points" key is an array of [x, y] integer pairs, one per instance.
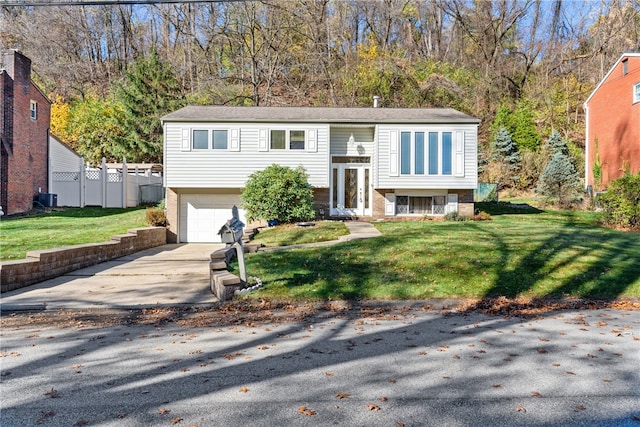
{"points": [[107, 187]]}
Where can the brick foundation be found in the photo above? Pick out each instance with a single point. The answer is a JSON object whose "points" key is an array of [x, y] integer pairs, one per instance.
{"points": [[50, 263]]}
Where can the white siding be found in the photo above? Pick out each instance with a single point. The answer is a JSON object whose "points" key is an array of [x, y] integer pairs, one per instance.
{"points": [[363, 141], [457, 180], [62, 158], [231, 169]]}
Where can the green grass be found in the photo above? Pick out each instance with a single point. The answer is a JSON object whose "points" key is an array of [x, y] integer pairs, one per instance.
{"points": [[519, 253], [291, 234], [66, 227]]}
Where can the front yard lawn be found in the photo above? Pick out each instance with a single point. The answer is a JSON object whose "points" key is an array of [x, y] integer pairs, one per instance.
{"points": [[68, 227], [519, 253], [292, 234]]}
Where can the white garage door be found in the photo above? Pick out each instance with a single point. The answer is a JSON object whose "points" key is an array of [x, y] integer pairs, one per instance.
{"points": [[202, 215]]}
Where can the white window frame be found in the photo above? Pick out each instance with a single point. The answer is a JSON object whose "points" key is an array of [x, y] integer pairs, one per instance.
{"points": [[636, 92], [405, 210], [287, 139], [33, 110], [440, 156], [210, 132]]}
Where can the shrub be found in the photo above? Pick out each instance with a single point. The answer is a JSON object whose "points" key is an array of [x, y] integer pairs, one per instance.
{"points": [[156, 217], [621, 203], [482, 216], [455, 216], [278, 193]]}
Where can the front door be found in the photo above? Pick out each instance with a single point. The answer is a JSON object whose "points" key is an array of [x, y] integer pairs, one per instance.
{"points": [[351, 190]]}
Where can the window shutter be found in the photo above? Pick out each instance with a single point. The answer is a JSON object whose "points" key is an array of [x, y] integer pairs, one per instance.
{"points": [[234, 142], [263, 143], [312, 140], [459, 153], [390, 204], [393, 154], [186, 140], [452, 203]]}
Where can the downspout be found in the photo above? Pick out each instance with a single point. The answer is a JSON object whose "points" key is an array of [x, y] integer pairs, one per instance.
{"points": [[586, 148]]}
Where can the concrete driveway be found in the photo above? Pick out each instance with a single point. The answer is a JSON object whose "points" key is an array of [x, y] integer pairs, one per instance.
{"points": [[167, 275]]}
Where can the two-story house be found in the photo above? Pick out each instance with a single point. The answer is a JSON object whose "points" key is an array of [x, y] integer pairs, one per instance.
{"points": [[613, 124], [362, 162], [24, 135]]}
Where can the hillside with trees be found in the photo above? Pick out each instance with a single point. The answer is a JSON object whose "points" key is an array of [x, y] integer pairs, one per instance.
{"points": [[524, 67]]}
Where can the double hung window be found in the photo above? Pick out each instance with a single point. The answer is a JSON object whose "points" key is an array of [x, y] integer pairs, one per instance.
{"points": [[210, 139], [291, 139]]}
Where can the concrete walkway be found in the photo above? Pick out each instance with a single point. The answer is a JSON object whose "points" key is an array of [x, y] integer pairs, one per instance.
{"points": [[169, 275], [357, 230]]}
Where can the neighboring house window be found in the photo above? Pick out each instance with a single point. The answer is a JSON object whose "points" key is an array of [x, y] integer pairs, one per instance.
{"points": [[216, 139], [281, 139], [430, 153], [33, 110], [636, 93]]}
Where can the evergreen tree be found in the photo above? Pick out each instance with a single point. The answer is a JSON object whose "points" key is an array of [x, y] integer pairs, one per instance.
{"points": [[149, 91], [506, 153], [560, 178], [524, 133]]}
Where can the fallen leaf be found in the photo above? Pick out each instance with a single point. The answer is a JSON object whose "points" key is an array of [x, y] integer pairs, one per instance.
{"points": [[496, 385], [581, 407], [535, 394], [542, 351], [570, 373], [81, 422], [373, 407], [521, 408], [556, 364], [121, 415], [306, 411], [329, 374], [399, 424], [342, 395], [244, 390], [163, 411], [53, 393], [383, 399], [392, 381], [176, 420]]}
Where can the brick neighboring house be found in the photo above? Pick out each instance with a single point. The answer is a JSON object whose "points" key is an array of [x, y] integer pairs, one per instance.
{"points": [[24, 135], [613, 123]]}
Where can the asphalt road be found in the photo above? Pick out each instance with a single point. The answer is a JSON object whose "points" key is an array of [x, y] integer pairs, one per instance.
{"points": [[397, 368]]}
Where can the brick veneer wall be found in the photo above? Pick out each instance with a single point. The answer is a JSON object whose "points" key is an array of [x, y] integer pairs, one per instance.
{"points": [[25, 163], [50, 263]]}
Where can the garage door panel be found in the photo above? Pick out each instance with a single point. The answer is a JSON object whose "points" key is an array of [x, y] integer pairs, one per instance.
{"points": [[202, 215]]}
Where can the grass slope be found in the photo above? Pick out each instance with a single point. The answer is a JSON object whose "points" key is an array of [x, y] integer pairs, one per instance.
{"points": [[66, 227], [520, 252]]}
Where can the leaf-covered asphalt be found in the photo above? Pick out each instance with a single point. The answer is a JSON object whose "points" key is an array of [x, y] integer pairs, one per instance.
{"points": [[268, 364]]}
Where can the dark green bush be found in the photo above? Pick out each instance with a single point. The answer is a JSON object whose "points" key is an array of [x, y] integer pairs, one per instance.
{"points": [[621, 202], [278, 193]]}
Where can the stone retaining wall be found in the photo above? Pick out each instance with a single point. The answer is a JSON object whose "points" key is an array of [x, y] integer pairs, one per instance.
{"points": [[50, 263]]}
